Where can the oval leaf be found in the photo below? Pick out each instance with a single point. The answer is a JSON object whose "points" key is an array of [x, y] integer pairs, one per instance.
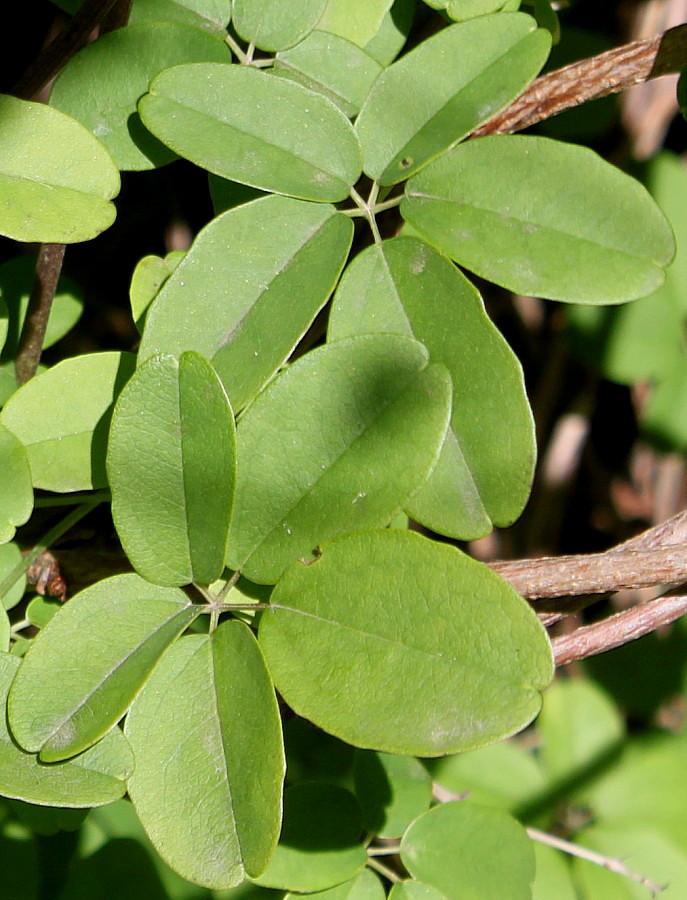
{"points": [[321, 840], [326, 448], [117, 69], [89, 662], [466, 850], [356, 20], [486, 466], [16, 492], [384, 609], [62, 418], [56, 178], [332, 66], [436, 95], [248, 126], [276, 24], [10, 560], [209, 759], [237, 297], [540, 224], [94, 778], [212, 15], [392, 790], [173, 517]]}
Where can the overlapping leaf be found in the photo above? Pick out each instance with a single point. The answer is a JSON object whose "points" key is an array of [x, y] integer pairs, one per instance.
{"points": [[103, 644], [321, 840], [62, 418], [465, 850], [333, 66], [213, 15], [238, 296], [118, 68], [248, 126], [486, 465], [56, 178], [396, 643], [276, 24], [540, 224], [441, 91], [207, 738], [326, 449], [172, 470], [16, 492], [94, 778]]}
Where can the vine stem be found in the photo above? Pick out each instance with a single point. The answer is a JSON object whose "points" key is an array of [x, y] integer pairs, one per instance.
{"points": [[56, 532], [387, 872], [48, 268], [589, 79], [606, 862]]}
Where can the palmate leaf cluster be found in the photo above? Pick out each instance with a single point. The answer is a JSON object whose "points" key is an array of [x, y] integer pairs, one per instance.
{"points": [[225, 454]]}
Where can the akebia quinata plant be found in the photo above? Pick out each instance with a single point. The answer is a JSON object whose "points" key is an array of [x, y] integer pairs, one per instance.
{"points": [[262, 486]]}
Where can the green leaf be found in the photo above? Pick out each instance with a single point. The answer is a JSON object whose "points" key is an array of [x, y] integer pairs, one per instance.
{"points": [[116, 630], [62, 418], [173, 518], [486, 467], [276, 24], [579, 727], [356, 20], [5, 632], [470, 852], [326, 449], [16, 492], [393, 32], [10, 557], [94, 778], [392, 791], [40, 610], [209, 759], [503, 775], [237, 297], [414, 890], [332, 66], [56, 179], [248, 126], [321, 840], [540, 223], [643, 340], [553, 878], [462, 10], [213, 15], [16, 279], [117, 68], [150, 274], [393, 642], [438, 93], [364, 886], [643, 849]]}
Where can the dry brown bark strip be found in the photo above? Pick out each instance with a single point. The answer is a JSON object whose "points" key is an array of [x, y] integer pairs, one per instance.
{"points": [[589, 79], [619, 629]]}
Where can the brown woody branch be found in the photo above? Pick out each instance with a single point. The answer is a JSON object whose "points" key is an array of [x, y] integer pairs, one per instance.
{"points": [[589, 79]]}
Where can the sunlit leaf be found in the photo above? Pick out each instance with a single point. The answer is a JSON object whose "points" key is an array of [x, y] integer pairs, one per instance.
{"points": [[326, 449], [56, 179], [393, 642], [207, 738], [16, 492], [540, 223], [104, 644], [276, 24], [172, 470], [248, 126]]}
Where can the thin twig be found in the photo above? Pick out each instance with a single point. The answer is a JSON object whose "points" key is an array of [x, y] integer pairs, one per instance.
{"points": [[619, 629], [607, 862], [657, 556], [48, 268], [589, 79], [387, 872]]}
